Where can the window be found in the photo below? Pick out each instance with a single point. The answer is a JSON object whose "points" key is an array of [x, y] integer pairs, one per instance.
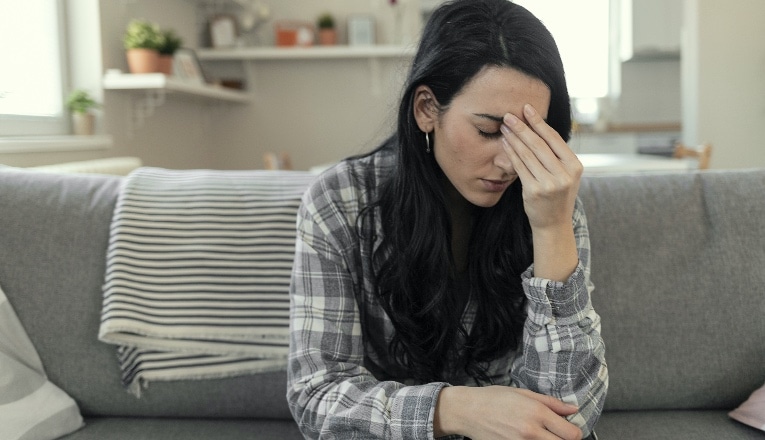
{"points": [[32, 77], [581, 30]]}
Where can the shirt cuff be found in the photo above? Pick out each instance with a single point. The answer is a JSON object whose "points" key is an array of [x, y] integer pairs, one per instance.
{"points": [[412, 412], [556, 299]]}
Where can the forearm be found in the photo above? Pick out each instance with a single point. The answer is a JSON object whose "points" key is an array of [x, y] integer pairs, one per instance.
{"points": [[564, 354], [555, 252], [354, 404]]}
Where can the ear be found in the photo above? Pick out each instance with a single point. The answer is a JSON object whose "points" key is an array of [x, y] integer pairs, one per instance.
{"points": [[425, 108]]}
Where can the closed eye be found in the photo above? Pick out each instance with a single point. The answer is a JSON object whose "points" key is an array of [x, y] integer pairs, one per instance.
{"points": [[489, 135]]}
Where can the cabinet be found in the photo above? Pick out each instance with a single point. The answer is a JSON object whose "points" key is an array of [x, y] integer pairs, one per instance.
{"points": [[651, 29]]}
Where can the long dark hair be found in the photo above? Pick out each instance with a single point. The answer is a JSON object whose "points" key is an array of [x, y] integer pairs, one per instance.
{"points": [[415, 275]]}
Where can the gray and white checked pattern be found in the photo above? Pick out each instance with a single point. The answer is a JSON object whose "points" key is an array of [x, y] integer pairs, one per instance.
{"points": [[343, 384]]}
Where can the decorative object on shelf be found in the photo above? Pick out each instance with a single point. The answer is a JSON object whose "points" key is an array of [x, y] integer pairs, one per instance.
{"points": [[142, 41], [327, 31], [361, 30], [186, 66], [171, 42], [81, 105], [253, 16], [294, 33], [223, 31], [403, 14]]}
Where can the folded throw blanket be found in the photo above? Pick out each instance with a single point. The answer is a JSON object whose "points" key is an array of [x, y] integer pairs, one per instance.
{"points": [[198, 272]]}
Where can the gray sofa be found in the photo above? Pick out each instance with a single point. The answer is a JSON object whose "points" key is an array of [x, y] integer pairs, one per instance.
{"points": [[678, 261]]}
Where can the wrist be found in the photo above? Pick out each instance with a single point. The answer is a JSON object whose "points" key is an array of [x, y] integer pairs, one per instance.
{"points": [[447, 419], [555, 252]]}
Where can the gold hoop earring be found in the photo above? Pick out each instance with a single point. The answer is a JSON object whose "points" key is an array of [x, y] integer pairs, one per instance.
{"points": [[427, 143]]}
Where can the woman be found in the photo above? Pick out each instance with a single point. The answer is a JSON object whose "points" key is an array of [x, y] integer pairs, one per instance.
{"points": [[441, 283]]}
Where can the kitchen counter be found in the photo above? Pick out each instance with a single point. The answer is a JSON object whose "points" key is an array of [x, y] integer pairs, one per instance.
{"points": [[633, 163]]}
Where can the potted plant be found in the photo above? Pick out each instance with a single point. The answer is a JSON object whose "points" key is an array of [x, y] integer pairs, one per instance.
{"points": [[81, 105], [327, 31], [171, 42], [142, 41]]}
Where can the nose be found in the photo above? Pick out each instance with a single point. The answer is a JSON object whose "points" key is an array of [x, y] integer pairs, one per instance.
{"points": [[502, 161]]}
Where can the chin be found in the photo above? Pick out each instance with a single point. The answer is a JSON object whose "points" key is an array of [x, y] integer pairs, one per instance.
{"points": [[485, 200]]}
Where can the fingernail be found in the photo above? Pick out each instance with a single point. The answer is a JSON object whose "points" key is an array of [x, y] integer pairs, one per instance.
{"points": [[511, 119], [529, 110], [504, 129]]}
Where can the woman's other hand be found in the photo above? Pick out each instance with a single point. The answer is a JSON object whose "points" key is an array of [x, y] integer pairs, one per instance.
{"points": [[501, 412]]}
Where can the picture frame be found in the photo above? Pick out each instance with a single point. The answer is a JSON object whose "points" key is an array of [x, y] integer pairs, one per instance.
{"points": [[223, 31], [361, 30], [186, 66]]}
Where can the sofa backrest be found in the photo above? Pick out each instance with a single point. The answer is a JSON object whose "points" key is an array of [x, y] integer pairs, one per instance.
{"points": [[678, 263], [54, 231]]}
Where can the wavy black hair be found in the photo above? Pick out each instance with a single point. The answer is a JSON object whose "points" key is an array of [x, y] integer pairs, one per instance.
{"points": [[415, 278]]}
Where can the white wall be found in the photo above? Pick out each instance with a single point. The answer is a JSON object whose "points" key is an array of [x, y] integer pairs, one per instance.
{"points": [[317, 110], [321, 110], [180, 132], [724, 80]]}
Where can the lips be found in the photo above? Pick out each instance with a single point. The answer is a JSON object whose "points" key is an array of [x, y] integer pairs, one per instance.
{"points": [[496, 185]]}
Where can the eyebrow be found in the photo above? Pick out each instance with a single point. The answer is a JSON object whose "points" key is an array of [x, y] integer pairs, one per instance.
{"points": [[494, 118], [490, 117]]}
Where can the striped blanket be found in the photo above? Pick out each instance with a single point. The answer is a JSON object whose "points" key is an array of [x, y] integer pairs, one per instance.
{"points": [[198, 272]]}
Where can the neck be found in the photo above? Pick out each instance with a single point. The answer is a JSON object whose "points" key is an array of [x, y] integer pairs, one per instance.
{"points": [[461, 216]]}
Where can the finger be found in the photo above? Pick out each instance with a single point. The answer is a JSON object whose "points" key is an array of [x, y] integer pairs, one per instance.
{"points": [[519, 165], [564, 429], [558, 146], [558, 406], [528, 143], [548, 134], [554, 421]]}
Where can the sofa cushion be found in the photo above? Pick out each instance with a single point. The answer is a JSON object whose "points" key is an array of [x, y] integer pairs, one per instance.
{"points": [[677, 266], [125, 428], [54, 232], [31, 407], [675, 425]]}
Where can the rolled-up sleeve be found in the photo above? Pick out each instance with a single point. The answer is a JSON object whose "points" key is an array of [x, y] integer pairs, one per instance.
{"points": [[563, 354]]}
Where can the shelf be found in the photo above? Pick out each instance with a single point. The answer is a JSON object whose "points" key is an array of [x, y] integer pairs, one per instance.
{"points": [[652, 55], [373, 54], [154, 88], [161, 82], [29, 144], [306, 53]]}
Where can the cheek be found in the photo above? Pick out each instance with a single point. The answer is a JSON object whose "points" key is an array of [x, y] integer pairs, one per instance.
{"points": [[459, 146]]}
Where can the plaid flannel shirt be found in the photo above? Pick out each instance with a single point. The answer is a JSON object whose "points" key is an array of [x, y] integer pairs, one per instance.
{"points": [[342, 384]]}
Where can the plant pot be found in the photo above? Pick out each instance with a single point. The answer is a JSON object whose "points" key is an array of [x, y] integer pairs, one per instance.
{"points": [[165, 64], [327, 37], [142, 60], [84, 124]]}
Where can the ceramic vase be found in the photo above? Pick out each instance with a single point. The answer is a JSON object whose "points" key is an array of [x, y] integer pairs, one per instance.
{"points": [[84, 124], [165, 64], [142, 60], [327, 37]]}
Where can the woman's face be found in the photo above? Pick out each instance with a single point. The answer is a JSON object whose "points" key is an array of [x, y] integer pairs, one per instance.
{"points": [[467, 142]]}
